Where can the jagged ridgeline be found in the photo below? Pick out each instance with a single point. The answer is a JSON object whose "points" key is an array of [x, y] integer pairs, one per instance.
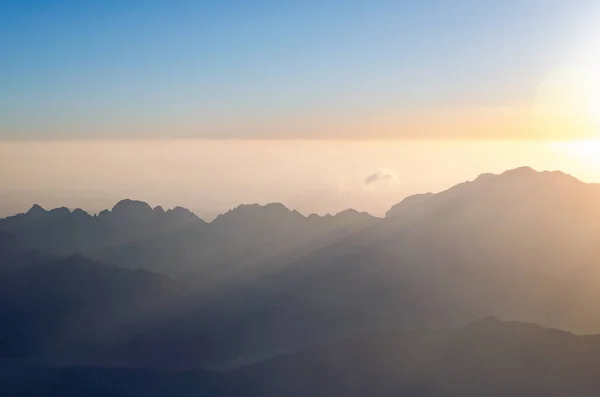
{"points": [[264, 298]]}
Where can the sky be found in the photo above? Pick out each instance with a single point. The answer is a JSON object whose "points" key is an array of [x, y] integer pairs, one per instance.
{"points": [[312, 176], [178, 101], [296, 69]]}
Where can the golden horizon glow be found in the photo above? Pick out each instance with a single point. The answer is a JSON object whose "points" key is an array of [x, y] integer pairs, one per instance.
{"points": [[586, 152]]}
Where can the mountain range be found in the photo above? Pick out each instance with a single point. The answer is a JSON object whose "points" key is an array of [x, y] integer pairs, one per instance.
{"points": [[265, 292]]}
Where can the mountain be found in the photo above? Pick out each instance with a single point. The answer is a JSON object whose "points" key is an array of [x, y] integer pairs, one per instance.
{"points": [[489, 357], [52, 307], [8, 244], [13, 254], [237, 240], [63, 232], [521, 245], [459, 252], [175, 241], [408, 204], [485, 358]]}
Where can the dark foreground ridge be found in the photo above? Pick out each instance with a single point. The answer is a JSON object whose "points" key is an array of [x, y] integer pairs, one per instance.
{"points": [[490, 357]]}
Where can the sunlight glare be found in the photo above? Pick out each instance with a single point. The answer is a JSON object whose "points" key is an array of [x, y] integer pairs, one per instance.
{"points": [[585, 152]]}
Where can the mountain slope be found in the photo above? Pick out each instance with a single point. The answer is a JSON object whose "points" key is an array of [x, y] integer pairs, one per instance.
{"points": [[63, 232], [134, 235], [235, 241], [54, 307], [486, 358], [534, 234], [522, 245]]}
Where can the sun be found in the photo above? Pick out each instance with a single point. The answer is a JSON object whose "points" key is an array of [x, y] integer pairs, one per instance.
{"points": [[567, 104], [585, 152]]}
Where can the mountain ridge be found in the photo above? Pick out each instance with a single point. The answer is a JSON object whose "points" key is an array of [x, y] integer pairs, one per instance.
{"points": [[140, 205], [489, 358], [522, 245]]}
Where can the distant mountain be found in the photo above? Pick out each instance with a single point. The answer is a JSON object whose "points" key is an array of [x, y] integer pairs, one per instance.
{"points": [[176, 241], [51, 307], [408, 204], [485, 358], [12, 253], [64, 232], [238, 239], [521, 245]]}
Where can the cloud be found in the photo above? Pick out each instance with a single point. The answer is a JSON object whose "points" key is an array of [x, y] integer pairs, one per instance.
{"points": [[379, 177]]}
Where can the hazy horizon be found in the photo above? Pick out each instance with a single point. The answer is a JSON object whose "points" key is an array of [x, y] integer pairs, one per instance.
{"points": [[317, 105], [320, 106], [212, 176]]}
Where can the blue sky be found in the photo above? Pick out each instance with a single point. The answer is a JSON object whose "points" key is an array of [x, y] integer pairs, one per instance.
{"points": [[221, 69]]}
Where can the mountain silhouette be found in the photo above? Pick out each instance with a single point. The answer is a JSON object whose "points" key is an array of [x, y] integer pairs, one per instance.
{"points": [[407, 204], [64, 232], [489, 357], [236, 240], [55, 306], [457, 253], [520, 245]]}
